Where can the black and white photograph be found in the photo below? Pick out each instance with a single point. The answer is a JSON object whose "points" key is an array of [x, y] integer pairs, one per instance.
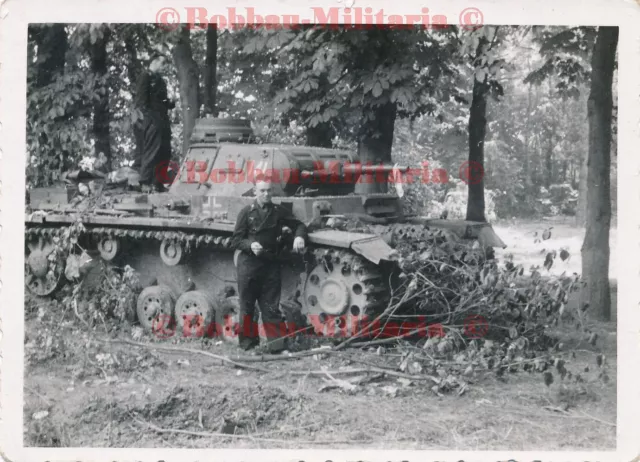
{"points": [[243, 229]]}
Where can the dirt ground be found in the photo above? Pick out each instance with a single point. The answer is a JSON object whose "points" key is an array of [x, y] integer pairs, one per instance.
{"points": [[88, 393]]}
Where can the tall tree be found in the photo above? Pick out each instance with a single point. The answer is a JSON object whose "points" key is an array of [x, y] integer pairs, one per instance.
{"points": [[98, 53], [189, 79], [486, 65], [595, 249], [321, 134], [48, 155], [375, 76], [210, 84], [52, 43], [477, 132]]}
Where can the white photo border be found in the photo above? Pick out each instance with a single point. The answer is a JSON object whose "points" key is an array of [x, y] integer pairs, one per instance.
{"points": [[18, 14]]}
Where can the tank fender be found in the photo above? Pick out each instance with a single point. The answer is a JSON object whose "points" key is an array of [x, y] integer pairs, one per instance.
{"points": [[370, 246], [463, 229]]}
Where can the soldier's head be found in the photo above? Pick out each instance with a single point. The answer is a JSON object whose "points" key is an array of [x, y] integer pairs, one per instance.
{"points": [[263, 190]]}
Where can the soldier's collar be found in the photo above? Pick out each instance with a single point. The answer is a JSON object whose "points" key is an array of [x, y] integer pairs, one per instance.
{"points": [[255, 205]]}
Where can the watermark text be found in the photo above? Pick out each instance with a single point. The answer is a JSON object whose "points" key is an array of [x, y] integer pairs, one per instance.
{"points": [[169, 18]]}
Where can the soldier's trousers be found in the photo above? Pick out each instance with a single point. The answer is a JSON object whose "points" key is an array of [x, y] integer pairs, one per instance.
{"points": [[260, 280]]}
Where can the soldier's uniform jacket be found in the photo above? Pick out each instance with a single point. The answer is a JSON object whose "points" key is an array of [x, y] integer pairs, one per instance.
{"points": [[264, 225]]}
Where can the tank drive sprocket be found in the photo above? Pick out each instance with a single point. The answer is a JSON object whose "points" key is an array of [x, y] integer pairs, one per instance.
{"points": [[341, 292]]}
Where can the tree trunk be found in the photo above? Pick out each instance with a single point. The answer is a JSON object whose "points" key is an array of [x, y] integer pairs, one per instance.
{"points": [[52, 48], [322, 134], [477, 131], [595, 249], [134, 67], [374, 147], [581, 213], [134, 70], [98, 52], [527, 173], [210, 72], [188, 79], [52, 43]]}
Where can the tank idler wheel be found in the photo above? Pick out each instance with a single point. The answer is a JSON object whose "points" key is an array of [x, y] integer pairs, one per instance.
{"points": [[43, 269], [155, 310], [195, 314], [171, 252], [109, 248]]}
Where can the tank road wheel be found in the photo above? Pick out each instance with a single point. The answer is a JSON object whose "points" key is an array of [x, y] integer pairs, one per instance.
{"points": [[194, 314], [171, 252], [109, 248], [155, 310], [341, 292], [227, 315], [43, 268]]}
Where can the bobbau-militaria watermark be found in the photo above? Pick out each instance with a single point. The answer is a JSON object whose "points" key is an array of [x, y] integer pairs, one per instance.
{"points": [[165, 326], [169, 18], [335, 172]]}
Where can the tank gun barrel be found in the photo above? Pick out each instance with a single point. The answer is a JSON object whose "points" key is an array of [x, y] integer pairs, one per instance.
{"points": [[372, 169], [352, 171]]}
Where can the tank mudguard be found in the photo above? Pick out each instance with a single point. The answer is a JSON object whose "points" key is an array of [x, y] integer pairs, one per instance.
{"points": [[370, 246], [464, 229]]}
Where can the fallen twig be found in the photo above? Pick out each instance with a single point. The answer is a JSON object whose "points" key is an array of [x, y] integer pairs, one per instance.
{"points": [[368, 369], [188, 350], [391, 339], [247, 359], [339, 383], [250, 367], [75, 311], [229, 435]]}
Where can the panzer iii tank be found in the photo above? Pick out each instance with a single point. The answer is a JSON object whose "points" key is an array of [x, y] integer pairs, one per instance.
{"points": [[179, 241]]}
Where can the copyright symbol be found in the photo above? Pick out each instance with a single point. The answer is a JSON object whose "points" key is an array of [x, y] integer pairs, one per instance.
{"points": [[165, 171], [471, 172], [167, 19], [471, 18]]}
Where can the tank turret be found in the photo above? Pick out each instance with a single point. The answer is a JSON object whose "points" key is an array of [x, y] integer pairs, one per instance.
{"points": [[214, 130]]}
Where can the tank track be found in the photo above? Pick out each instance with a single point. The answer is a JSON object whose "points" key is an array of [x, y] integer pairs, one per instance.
{"points": [[45, 263], [189, 239], [331, 273]]}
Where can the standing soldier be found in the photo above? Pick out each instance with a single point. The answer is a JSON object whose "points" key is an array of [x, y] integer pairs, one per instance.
{"points": [[256, 237], [153, 131]]}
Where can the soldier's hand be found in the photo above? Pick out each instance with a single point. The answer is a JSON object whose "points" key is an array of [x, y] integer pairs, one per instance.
{"points": [[298, 244], [256, 248]]}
